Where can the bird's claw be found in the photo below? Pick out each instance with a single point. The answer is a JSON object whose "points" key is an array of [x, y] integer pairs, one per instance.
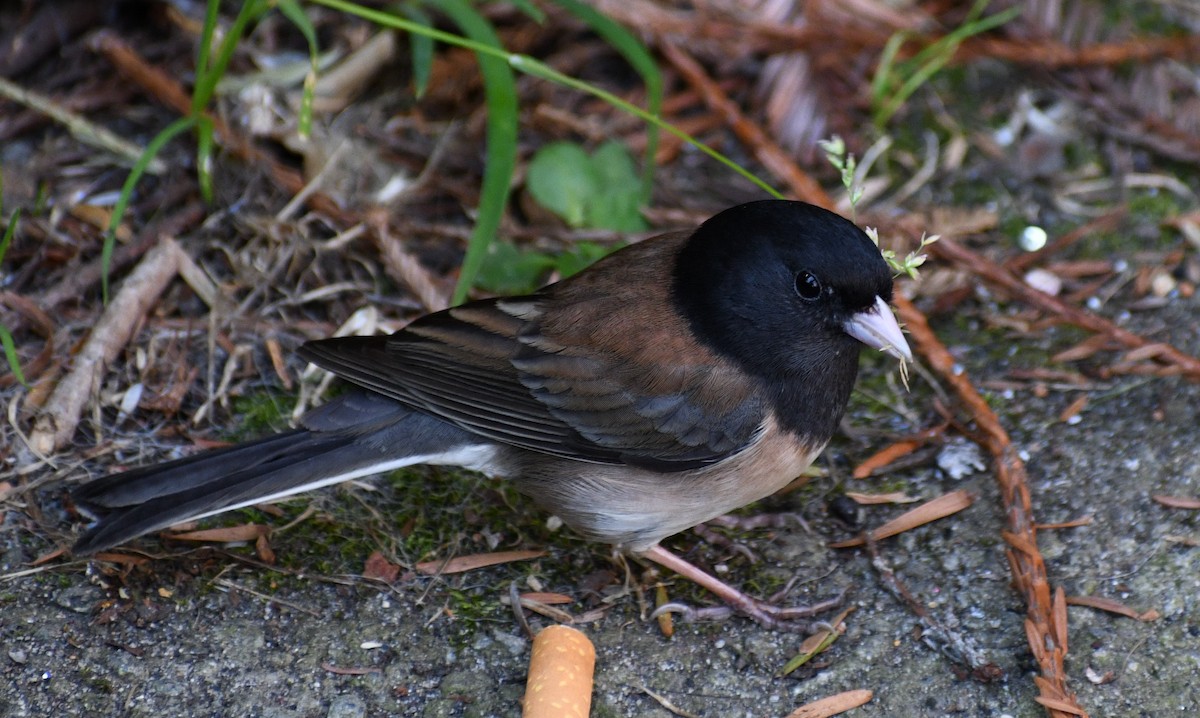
{"points": [[775, 618]]}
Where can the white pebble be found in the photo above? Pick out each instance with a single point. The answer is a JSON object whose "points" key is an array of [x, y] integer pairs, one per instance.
{"points": [[1032, 238], [1044, 281]]}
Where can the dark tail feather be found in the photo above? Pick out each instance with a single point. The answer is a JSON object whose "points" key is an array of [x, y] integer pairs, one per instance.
{"points": [[140, 485], [356, 434], [136, 502]]}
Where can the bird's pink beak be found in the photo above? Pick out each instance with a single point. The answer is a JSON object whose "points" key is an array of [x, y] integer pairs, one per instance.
{"points": [[877, 328]]}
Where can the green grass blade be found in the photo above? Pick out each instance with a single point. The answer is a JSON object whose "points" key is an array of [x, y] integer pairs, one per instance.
{"points": [[10, 355], [209, 75], [10, 348], [531, 11], [500, 90], [9, 231], [421, 50], [183, 124], [292, 11], [203, 53], [886, 69], [638, 57], [925, 64], [204, 156]]}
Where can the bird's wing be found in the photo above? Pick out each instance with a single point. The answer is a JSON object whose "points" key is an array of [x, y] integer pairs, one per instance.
{"points": [[582, 370]]}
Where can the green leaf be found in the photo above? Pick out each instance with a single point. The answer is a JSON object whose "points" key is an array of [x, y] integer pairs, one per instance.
{"points": [[618, 197], [512, 270], [638, 57], [210, 69], [581, 256], [613, 164], [895, 82], [600, 191], [561, 179], [204, 156], [616, 208]]}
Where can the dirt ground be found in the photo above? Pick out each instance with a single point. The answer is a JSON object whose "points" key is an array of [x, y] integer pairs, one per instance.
{"points": [[292, 627], [180, 641]]}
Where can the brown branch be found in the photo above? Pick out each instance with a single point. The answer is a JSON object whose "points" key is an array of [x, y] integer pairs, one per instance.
{"points": [[1045, 622], [1052, 54], [766, 150], [994, 274], [57, 420]]}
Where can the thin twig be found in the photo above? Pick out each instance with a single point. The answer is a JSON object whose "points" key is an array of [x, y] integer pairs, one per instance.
{"points": [[80, 127], [227, 584]]}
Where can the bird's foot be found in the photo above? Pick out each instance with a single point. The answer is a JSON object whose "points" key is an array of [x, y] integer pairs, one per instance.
{"points": [[765, 613]]}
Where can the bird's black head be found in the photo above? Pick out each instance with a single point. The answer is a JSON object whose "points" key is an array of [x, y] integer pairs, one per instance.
{"points": [[771, 285]]}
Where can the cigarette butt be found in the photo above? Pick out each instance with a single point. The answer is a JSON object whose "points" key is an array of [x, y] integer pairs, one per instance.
{"points": [[560, 675]]}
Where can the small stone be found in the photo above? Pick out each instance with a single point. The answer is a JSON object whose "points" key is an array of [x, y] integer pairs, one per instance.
{"points": [[1044, 281], [1032, 238], [79, 599], [960, 458], [347, 706], [514, 644], [1162, 283]]}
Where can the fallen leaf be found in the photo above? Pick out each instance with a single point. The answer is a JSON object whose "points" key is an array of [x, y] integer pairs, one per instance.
{"points": [[262, 547], [1073, 408], [885, 456], [938, 508], [1177, 502], [1113, 606], [548, 598], [665, 623], [226, 534], [121, 558], [1073, 524], [379, 568], [833, 705], [460, 564], [48, 557], [815, 644], [895, 497]]}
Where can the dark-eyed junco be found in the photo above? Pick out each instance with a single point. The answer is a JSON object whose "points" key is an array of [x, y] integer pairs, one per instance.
{"points": [[671, 382]]}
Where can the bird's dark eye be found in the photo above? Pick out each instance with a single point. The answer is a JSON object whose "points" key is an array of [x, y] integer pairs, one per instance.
{"points": [[808, 286]]}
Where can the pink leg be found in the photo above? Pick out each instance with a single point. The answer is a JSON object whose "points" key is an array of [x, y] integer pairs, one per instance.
{"points": [[770, 616]]}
